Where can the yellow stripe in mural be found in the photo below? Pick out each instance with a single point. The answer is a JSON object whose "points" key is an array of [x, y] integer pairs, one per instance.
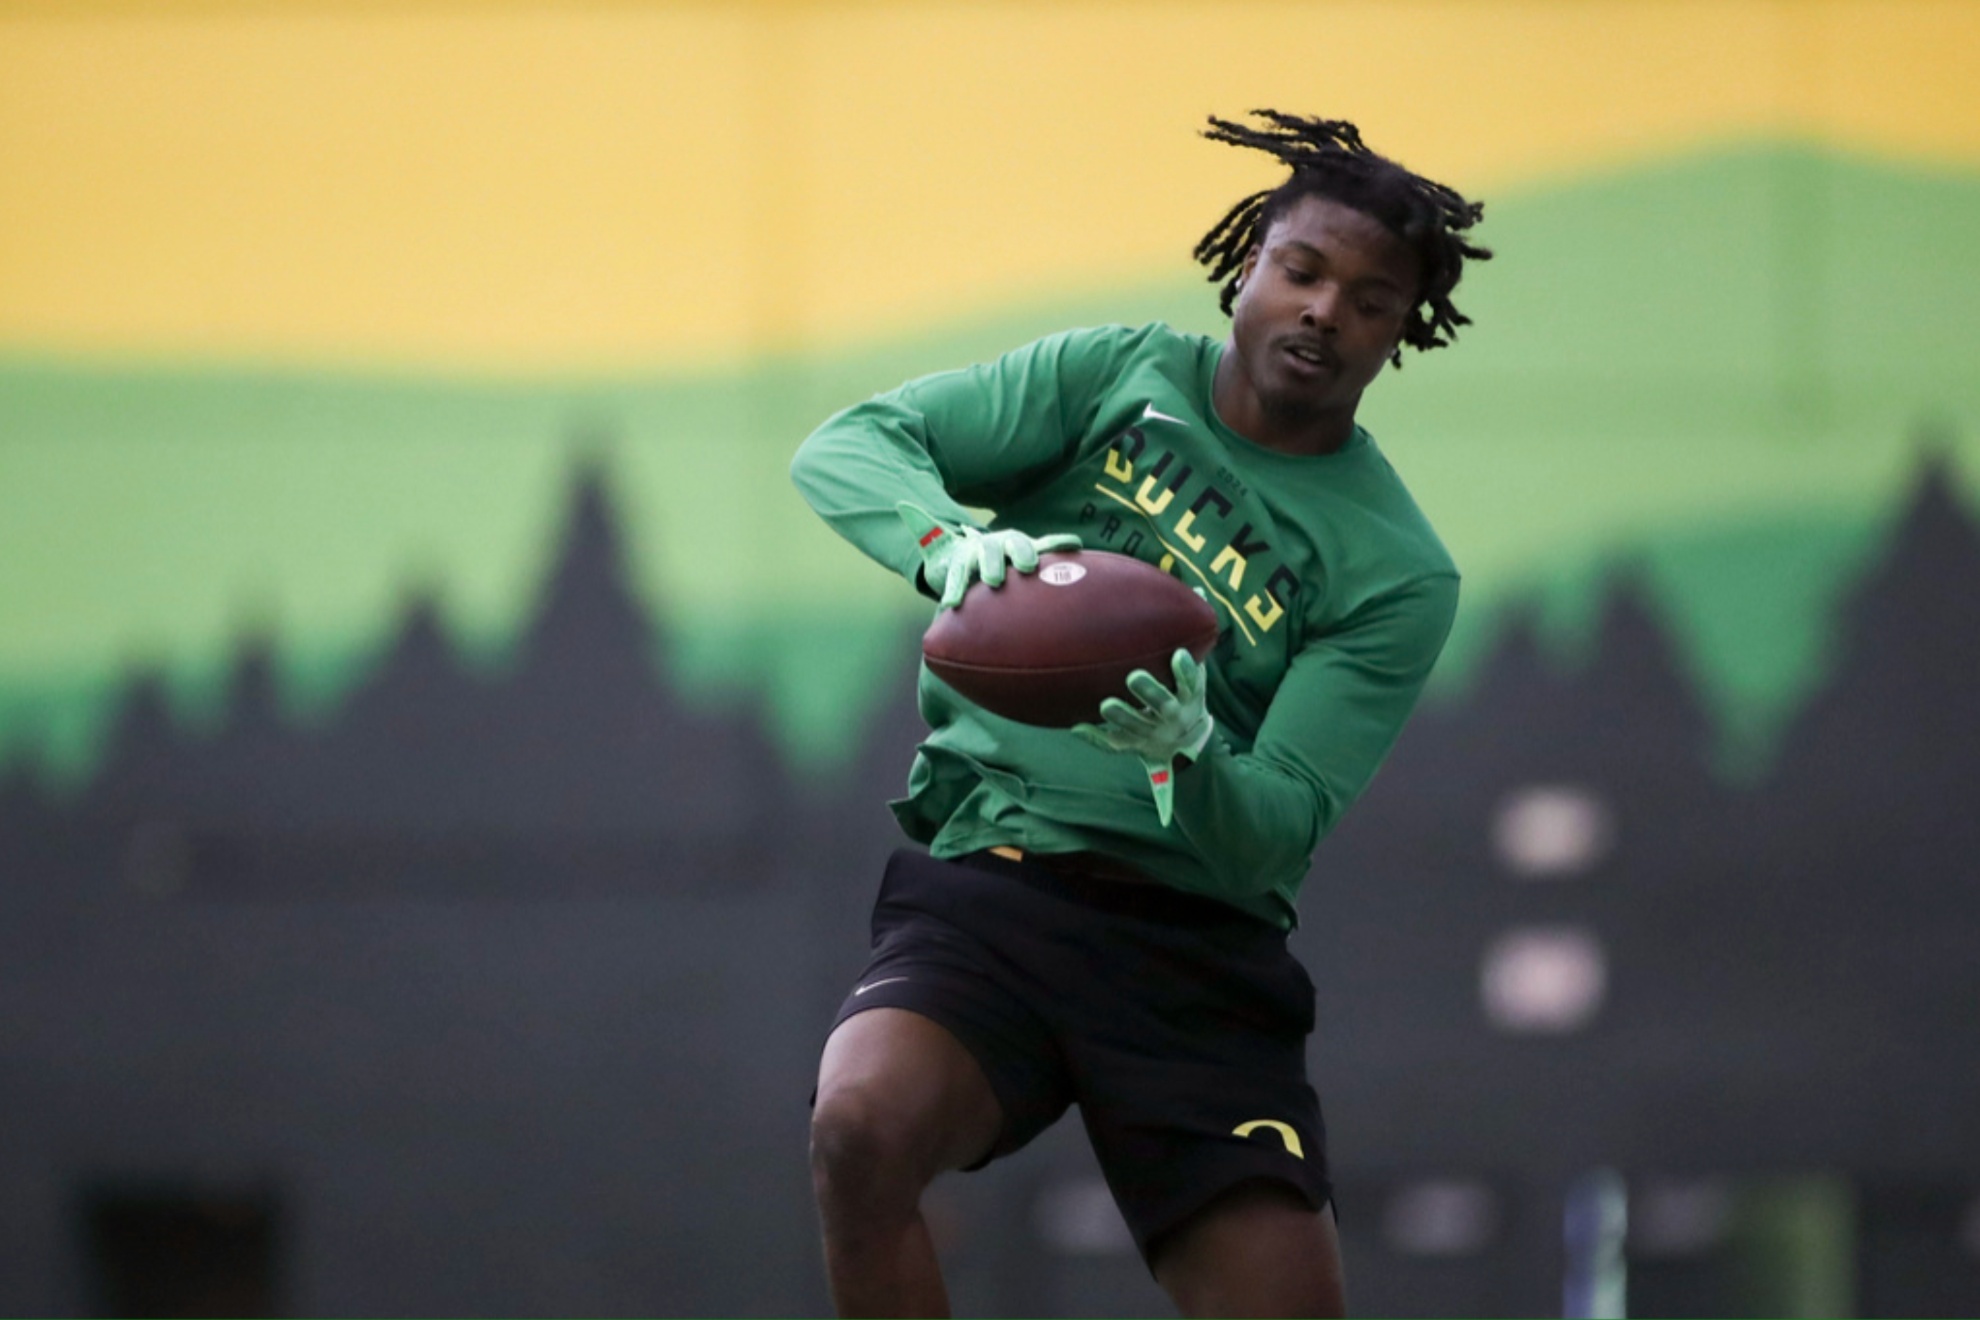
{"points": [[496, 186]]}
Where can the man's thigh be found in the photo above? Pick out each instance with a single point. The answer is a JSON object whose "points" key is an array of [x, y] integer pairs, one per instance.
{"points": [[894, 1075], [1260, 1249], [945, 981], [1192, 1073]]}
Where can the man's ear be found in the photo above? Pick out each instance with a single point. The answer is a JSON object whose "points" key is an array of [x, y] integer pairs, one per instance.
{"points": [[1250, 261]]}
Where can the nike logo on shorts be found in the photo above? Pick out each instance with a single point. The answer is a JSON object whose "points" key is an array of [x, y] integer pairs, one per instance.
{"points": [[874, 985]]}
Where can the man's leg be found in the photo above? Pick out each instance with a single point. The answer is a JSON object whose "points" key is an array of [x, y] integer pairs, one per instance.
{"points": [[1257, 1250], [899, 1101]]}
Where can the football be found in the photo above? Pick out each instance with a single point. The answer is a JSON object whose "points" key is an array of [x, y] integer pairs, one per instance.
{"points": [[1046, 647]]}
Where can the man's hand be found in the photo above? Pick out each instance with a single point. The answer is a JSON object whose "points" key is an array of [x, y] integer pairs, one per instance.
{"points": [[1166, 725], [953, 557]]}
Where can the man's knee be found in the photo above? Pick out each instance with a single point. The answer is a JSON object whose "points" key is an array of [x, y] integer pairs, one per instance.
{"points": [[899, 1100], [865, 1154]]}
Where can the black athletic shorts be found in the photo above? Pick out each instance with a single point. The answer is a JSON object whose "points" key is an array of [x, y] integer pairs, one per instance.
{"points": [[1176, 1023]]}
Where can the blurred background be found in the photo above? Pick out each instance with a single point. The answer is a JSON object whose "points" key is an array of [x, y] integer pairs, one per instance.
{"points": [[442, 762]]}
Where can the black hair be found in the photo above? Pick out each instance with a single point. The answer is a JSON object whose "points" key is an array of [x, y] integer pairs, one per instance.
{"points": [[1328, 159]]}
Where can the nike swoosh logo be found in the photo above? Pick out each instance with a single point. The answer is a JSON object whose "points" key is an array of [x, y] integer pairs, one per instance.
{"points": [[1150, 413], [871, 985]]}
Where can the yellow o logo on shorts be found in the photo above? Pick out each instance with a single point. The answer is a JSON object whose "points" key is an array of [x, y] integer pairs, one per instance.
{"points": [[1286, 1134]]}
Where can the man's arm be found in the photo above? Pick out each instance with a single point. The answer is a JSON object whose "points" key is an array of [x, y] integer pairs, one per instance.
{"points": [[1258, 815], [972, 436]]}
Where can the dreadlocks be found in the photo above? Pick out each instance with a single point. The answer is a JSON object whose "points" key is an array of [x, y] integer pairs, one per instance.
{"points": [[1328, 159]]}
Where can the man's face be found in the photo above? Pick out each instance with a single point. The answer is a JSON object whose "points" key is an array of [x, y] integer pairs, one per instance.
{"points": [[1321, 308]]}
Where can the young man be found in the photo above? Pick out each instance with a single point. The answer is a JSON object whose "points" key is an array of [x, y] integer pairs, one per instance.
{"points": [[1101, 916]]}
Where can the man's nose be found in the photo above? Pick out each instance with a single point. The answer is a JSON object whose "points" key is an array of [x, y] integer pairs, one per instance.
{"points": [[1322, 308]]}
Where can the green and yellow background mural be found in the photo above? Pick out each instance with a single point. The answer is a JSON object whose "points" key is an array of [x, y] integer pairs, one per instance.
{"points": [[306, 307], [442, 759]]}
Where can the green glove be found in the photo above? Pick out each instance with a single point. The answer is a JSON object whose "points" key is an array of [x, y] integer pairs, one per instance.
{"points": [[1166, 725], [952, 557]]}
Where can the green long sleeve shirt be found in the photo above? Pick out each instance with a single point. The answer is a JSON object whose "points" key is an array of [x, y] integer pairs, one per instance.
{"points": [[1334, 593]]}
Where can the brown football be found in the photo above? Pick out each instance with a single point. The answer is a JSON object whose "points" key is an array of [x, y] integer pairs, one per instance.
{"points": [[1046, 647]]}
